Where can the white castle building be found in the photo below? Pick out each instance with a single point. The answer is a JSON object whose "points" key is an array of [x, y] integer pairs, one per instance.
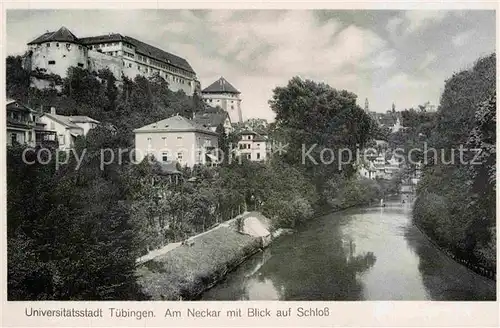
{"points": [[221, 93], [55, 52]]}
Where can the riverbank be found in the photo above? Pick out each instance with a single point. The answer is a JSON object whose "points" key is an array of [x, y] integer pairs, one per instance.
{"points": [[186, 271], [474, 267]]}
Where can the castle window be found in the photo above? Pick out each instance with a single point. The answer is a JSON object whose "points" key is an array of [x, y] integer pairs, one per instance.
{"points": [[164, 157], [52, 62]]}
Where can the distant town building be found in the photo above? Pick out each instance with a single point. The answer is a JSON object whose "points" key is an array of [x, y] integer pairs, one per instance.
{"points": [[55, 52], [253, 146], [66, 128], [396, 127], [367, 170], [383, 166], [176, 139], [221, 93]]}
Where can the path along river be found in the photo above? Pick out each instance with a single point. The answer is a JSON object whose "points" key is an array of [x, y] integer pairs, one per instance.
{"points": [[372, 253]]}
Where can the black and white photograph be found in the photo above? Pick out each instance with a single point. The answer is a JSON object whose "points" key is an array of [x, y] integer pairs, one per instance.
{"points": [[250, 155]]}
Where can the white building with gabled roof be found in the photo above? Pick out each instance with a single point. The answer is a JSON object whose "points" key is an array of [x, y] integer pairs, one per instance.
{"points": [[176, 139], [67, 128]]}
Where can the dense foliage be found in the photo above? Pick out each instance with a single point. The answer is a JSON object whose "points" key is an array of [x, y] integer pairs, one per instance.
{"points": [[75, 232], [456, 198], [325, 123]]}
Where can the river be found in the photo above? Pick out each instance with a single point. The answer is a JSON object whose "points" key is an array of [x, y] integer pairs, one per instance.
{"points": [[372, 253]]}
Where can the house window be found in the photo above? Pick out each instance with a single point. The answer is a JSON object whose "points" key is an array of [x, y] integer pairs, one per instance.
{"points": [[13, 138], [62, 139], [164, 157], [80, 65], [164, 140], [80, 47], [179, 156], [52, 62], [48, 45], [30, 136], [57, 44], [258, 155], [248, 156], [232, 107], [149, 141]]}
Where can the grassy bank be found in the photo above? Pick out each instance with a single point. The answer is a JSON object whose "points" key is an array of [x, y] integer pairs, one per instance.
{"points": [[187, 271]]}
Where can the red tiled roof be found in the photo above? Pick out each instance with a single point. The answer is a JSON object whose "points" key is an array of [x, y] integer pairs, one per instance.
{"points": [[210, 119], [65, 35], [142, 48], [220, 86], [175, 123], [61, 35]]}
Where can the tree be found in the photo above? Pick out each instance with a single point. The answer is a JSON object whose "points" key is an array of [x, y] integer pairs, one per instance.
{"points": [[17, 78], [310, 114], [223, 142], [257, 124], [466, 117]]}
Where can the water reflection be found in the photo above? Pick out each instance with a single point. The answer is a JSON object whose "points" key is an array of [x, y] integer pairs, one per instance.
{"points": [[313, 264], [362, 254], [443, 278]]}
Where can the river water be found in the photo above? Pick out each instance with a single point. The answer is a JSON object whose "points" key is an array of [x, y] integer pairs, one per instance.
{"points": [[370, 253]]}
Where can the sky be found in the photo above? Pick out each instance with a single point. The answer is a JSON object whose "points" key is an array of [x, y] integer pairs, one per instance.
{"points": [[400, 57]]}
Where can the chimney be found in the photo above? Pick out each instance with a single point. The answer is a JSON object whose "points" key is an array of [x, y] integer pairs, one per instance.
{"points": [[53, 110]]}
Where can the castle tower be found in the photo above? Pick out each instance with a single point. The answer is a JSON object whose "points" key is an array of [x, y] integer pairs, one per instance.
{"points": [[55, 52], [221, 93]]}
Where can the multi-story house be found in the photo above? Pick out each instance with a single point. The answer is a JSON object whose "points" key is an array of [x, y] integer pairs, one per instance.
{"points": [[221, 93], [55, 52], [176, 139], [21, 124], [66, 128], [253, 146]]}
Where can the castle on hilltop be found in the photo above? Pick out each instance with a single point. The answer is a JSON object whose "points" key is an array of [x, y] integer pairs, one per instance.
{"points": [[55, 52]]}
